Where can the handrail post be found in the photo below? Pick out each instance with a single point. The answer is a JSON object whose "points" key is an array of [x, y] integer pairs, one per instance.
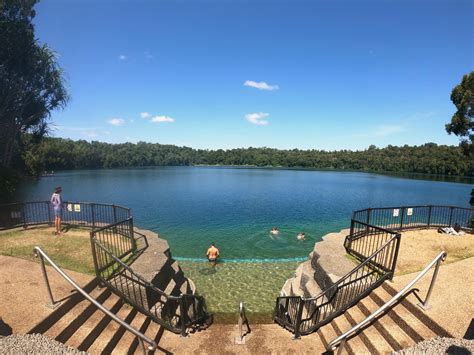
{"points": [[239, 339], [298, 320], [50, 220], [183, 316], [132, 236], [142, 346], [93, 214], [52, 303], [451, 216], [24, 215], [403, 216], [369, 210], [395, 256], [429, 215], [424, 304], [115, 213], [341, 346]]}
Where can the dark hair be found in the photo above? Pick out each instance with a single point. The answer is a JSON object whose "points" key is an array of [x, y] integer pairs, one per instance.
{"points": [[58, 189], [212, 244]]}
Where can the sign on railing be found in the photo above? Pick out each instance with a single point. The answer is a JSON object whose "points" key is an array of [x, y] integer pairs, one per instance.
{"points": [[74, 213]]}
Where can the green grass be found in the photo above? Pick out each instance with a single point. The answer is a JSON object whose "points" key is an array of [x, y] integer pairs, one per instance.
{"points": [[70, 251]]}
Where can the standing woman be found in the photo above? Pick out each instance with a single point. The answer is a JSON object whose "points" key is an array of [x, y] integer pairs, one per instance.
{"points": [[57, 203]]}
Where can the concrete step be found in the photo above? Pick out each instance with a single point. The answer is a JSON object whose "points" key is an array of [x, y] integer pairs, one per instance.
{"points": [[308, 282], [329, 260], [354, 343], [372, 339]]}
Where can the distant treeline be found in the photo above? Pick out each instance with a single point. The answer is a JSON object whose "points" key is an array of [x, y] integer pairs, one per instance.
{"points": [[430, 158]]}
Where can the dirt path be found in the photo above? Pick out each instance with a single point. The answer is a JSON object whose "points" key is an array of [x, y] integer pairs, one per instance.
{"points": [[23, 292]]}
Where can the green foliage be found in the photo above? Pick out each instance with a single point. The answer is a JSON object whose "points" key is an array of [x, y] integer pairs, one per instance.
{"points": [[8, 181], [58, 153], [462, 122], [31, 82]]}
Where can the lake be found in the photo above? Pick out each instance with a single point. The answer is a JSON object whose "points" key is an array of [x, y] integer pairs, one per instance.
{"points": [[236, 208]]}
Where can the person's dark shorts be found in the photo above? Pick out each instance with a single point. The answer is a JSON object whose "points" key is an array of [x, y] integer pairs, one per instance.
{"points": [[212, 260]]}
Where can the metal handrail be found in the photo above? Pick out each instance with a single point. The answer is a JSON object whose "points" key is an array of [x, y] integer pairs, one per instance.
{"points": [[437, 260], [243, 319], [140, 336], [130, 270], [357, 268]]}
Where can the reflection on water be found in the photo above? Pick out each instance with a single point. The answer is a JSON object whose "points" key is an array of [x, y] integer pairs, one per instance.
{"points": [[226, 284]]}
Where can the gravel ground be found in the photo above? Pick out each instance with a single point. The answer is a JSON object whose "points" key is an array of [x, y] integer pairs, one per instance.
{"points": [[34, 344], [440, 346]]}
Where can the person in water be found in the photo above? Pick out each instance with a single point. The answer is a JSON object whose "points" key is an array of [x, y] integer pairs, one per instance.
{"points": [[212, 254], [57, 203], [300, 236], [275, 230]]}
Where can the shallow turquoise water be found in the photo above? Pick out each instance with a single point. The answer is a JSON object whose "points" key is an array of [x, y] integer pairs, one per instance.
{"points": [[226, 284]]}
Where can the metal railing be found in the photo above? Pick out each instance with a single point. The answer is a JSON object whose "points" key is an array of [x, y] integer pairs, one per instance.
{"points": [[175, 313], [242, 320], [305, 315], [412, 217], [343, 337], [374, 241], [140, 336], [361, 241], [81, 214], [114, 246]]}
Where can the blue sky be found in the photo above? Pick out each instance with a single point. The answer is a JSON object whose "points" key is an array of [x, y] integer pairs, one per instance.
{"points": [[284, 74]]}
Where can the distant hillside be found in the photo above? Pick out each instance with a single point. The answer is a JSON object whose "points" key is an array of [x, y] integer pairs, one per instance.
{"points": [[430, 158]]}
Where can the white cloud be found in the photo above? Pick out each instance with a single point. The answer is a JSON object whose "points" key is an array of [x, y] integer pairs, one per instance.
{"points": [[116, 121], [160, 119], [261, 85], [145, 115], [122, 57], [107, 132], [257, 118]]}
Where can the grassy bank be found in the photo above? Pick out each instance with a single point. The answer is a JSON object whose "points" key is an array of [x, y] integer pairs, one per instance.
{"points": [[71, 251]]}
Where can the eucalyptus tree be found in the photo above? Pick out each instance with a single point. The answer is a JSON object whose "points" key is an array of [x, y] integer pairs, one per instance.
{"points": [[462, 122]]}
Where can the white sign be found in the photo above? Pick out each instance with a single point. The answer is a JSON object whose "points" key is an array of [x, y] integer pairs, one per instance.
{"points": [[409, 211], [77, 208], [16, 214], [69, 207], [396, 212]]}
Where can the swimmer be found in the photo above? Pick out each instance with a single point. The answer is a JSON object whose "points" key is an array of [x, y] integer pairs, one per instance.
{"points": [[300, 236], [275, 230], [212, 254]]}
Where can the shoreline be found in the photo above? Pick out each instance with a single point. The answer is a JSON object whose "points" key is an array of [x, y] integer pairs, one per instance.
{"points": [[461, 179]]}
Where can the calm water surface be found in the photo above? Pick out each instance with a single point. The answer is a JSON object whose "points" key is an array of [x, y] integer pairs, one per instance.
{"points": [[236, 208]]}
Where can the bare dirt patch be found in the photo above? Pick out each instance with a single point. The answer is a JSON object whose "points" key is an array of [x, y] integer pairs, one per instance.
{"points": [[419, 247]]}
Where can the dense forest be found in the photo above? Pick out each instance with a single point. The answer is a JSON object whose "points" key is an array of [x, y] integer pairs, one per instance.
{"points": [[58, 153]]}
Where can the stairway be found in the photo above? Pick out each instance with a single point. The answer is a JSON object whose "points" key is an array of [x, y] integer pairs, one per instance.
{"points": [[402, 326], [77, 323]]}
